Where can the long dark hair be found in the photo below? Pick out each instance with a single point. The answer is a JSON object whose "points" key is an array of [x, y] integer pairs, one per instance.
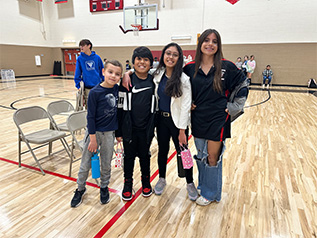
{"points": [[173, 84], [217, 85]]}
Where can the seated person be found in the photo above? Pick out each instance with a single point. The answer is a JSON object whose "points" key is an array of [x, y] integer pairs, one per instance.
{"points": [[267, 75]]}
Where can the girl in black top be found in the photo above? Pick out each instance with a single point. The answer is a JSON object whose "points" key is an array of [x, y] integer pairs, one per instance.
{"points": [[212, 79]]}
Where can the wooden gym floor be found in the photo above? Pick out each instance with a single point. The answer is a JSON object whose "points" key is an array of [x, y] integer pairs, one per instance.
{"points": [[269, 177]]}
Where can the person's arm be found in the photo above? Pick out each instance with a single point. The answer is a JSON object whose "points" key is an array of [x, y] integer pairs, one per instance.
{"points": [[186, 104], [78, 75], [100, 69], [182, 137], [91, 122], [121, 94], [238, 87], [126, 79]]}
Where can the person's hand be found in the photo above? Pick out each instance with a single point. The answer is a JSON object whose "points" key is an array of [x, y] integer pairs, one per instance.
{"points": [[227, 111], [126, 80], [193, 107], [182, 137], [93, 146], [119, 139]]}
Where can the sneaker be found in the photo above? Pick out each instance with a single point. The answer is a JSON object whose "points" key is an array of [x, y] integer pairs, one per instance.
{"points": [[104, 195], [268, 86], [202, 201], [263, 86], [78, 198], [146, 186], [160, 185], [127, 190], [192, 191]]}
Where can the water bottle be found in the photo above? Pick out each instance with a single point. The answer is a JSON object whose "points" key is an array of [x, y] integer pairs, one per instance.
{"points": [[95, 166]]}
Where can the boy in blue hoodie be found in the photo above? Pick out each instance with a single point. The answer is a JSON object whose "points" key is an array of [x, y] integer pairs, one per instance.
{"points": [[88, 68]]}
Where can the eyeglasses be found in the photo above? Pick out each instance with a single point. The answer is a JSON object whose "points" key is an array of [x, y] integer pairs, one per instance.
{"points": [[170, 54]]}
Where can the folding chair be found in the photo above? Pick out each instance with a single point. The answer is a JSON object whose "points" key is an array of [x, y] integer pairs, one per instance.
{"points": [[76, 121], [42, 137], [61, 108]]}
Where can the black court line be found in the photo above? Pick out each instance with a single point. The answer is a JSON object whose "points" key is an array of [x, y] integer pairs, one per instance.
{"points": [[38, 96], [257, 104]]}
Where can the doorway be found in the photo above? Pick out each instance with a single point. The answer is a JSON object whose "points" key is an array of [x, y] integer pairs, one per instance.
{"points": [[70, 58]]}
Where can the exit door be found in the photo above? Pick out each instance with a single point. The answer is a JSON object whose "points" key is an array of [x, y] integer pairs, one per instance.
{"points": [[70, 58]]}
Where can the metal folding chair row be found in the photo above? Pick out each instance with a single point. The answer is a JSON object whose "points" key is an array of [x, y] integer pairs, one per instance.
{"points": [[70, 121], [32, 136]]}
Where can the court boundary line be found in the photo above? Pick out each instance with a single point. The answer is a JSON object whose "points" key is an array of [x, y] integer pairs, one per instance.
{"points": [[56, 174]]}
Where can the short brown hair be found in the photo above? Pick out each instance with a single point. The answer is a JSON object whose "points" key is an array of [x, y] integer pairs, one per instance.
{"points": [[114, 63], [85, 42]]}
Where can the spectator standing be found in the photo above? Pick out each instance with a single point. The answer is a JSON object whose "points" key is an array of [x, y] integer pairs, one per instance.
{"points": [[239, 63], [89, 68]]}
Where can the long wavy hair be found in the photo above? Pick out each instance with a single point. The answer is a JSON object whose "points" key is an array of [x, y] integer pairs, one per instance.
{"points": [[173, 84], [217, 85]]}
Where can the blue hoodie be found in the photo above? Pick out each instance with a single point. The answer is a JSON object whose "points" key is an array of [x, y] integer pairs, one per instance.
{"points": [[89, 69]]}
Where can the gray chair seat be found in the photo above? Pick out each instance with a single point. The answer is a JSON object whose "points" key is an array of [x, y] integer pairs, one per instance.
{"points": [[44, 136], [62, 126]]}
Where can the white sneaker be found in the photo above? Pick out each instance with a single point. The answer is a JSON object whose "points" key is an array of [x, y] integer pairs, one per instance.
{"points": [[160, 185], [263, 86], [202, 201], [268, 86]]}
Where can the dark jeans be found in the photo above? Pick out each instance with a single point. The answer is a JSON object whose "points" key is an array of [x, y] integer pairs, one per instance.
{"points": [[165, 130], [137, 147]]}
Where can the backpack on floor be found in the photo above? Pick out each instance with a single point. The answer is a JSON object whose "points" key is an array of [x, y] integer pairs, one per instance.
{"points": [[312, 83]]}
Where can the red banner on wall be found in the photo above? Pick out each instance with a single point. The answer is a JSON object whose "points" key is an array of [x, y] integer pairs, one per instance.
{"points": [[60, 1], [232, 1]]}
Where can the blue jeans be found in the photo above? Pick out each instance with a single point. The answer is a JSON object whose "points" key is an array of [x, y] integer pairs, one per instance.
{"points": [[209, 177], [269, 78]]}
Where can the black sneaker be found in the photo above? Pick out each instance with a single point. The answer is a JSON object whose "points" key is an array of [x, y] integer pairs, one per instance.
{"points": [[127, 190], [146, 186], [78, 198], [104, 195]]}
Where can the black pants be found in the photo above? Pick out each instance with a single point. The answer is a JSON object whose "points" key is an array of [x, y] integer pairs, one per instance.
{"points": [[137, 147], [165, 130]]}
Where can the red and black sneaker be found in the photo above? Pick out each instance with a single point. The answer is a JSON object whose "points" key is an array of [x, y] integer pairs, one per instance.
{"points": [[127, 190], [146, 186]]}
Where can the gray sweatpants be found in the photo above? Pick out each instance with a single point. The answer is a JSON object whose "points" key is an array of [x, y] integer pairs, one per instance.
{"points": [[105, 141]]}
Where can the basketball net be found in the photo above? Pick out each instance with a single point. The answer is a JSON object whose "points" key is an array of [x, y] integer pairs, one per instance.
{"points": [[136, 29]]}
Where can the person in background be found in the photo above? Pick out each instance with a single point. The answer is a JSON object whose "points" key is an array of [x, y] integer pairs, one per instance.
{"points": [[251, 64], [127, 65], [244, 65], [239, 63], [267, 75], [155, 63], [89, 68], [101, 123]]}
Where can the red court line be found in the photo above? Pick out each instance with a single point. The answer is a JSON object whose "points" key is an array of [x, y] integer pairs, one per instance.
{"points": [[128, 204], [57, 175]]}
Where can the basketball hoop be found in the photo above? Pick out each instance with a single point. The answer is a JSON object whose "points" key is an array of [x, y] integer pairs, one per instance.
{"points": [[136, 29]]}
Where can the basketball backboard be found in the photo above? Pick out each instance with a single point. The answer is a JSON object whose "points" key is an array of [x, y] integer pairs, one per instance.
{"points": [[143, 17]]}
